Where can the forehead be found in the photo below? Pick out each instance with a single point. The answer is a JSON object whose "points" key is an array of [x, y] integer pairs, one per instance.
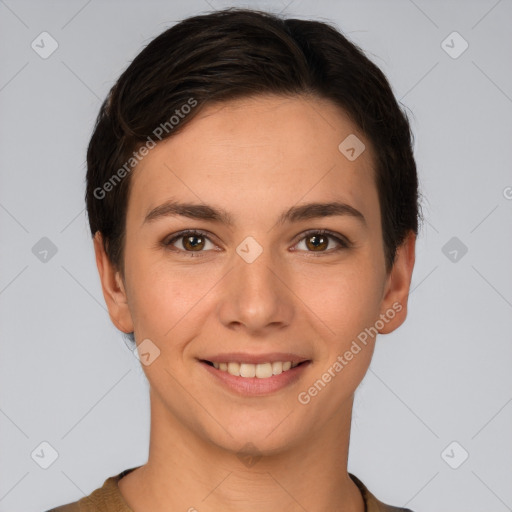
{"points": [[254, 154]]}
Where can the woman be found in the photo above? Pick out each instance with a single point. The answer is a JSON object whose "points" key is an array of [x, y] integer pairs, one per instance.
{"points": [[253, 199]]}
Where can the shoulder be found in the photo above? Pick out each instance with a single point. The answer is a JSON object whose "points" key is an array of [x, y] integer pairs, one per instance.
{"points": [[70, 507], [106, 498], [372, 504]]}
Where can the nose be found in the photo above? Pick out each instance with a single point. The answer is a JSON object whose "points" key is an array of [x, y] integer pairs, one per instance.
{"points": [[256, 296]]}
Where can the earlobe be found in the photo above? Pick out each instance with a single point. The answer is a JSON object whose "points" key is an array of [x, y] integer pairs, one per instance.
{"points": [[396, 293], [113, 288]]}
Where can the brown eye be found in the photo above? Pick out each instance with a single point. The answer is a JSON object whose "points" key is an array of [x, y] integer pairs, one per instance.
{"points": [[317, 241], [189, 242]]}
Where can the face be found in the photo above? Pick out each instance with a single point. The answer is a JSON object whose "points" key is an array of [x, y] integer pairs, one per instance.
{"points": [[264, 278]]}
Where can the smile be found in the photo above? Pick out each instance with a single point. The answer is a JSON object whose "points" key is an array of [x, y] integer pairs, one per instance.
{"points": [[248, 370], [255, 379]]}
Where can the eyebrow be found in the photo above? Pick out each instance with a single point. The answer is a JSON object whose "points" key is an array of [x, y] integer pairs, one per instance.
{"points": [[173, 208]]}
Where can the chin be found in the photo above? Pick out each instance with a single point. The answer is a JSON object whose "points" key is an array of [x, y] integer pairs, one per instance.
{"points": [[255, 440]]}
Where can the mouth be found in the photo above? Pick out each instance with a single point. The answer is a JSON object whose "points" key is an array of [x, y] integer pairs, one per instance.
{"points": [[259, 378], [264, 370]]}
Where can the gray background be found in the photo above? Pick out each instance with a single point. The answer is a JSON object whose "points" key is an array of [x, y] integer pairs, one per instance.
{"points": [[67, 376]]}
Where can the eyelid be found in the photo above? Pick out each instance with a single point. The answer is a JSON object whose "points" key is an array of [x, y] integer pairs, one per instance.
{"points": [[343, 241], [168, 241], [338, 237]]}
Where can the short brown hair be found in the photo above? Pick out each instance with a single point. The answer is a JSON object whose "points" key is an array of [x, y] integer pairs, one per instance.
{"points": [[235, 53]]}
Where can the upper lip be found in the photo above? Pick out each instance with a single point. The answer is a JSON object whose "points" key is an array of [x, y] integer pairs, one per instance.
{"points": [[241, 357]]}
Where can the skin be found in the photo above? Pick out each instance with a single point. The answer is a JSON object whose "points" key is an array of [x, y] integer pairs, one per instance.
{"points": [[255, 158]]}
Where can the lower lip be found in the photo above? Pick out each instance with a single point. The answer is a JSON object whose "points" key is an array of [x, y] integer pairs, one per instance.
{"points": [[255, 386]]}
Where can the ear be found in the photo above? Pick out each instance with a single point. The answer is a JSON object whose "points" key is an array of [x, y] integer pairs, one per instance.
{"points": [[113, 288], [396, 290]]}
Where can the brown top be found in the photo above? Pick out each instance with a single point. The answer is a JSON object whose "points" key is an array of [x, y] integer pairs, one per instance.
{"points": [[108, 499]]}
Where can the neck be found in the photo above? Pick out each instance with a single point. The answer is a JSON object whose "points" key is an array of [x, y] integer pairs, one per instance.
{"points": [[185, 471]]}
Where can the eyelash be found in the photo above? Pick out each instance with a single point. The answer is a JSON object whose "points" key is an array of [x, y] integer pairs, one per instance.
{"points": [[344, 243]]}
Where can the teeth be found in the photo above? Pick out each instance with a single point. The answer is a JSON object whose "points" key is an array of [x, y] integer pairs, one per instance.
{"points": [[234, 368], [261, 371], [247, 370], [277, 368]]}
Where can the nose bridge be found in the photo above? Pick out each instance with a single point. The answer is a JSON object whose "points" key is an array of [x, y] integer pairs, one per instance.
{"points": [[256, 264], [256, 294]]}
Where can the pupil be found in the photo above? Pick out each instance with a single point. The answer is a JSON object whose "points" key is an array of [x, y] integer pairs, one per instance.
{"points": [[192, 237], [318, 243]]}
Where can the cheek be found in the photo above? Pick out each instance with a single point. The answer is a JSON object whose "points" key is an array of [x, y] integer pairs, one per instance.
{"points": [[165, 299], [346, 298], [348, 306], [152, 290]]}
